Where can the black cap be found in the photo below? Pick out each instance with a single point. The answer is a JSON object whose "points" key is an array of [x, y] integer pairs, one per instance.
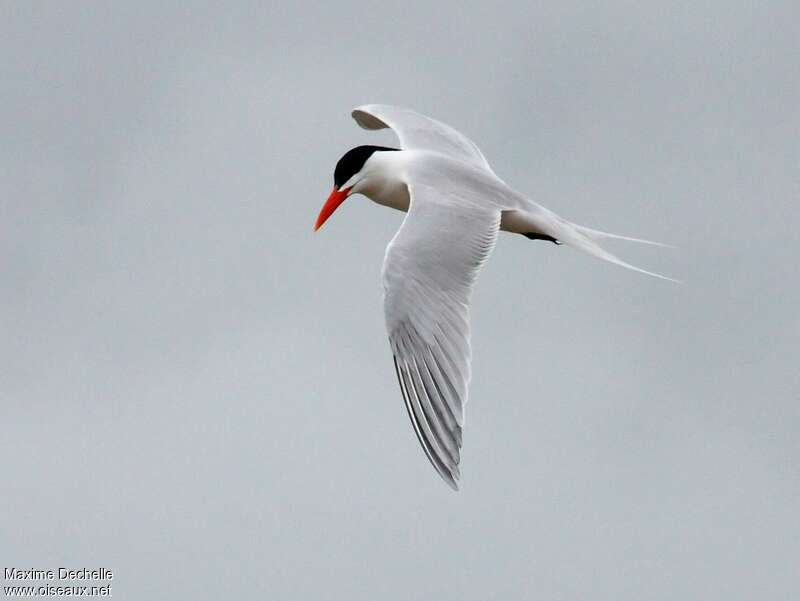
{"points": [[352, 162]]}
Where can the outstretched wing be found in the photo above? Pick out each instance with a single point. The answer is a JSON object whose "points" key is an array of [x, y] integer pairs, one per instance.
{"points": [[418, 132], [430, 267]]}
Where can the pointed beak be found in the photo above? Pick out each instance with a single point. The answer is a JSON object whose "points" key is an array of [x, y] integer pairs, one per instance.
{"points": [[334, 200]]}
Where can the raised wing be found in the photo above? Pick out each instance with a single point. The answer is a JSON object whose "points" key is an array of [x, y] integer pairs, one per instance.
{"points": [[418, 132], [430, 267]]}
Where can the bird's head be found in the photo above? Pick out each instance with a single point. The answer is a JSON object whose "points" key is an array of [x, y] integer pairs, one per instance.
{"points": [[350, 177]]}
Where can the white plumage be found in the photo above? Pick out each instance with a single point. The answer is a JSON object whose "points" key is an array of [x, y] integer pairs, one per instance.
{"points": [[456, 206]]}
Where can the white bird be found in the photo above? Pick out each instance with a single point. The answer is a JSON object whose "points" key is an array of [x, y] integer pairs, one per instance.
{"points": [[455, 207]]}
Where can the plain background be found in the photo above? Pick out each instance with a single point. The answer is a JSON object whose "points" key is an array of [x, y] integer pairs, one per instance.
{"points": [[197, 391]]}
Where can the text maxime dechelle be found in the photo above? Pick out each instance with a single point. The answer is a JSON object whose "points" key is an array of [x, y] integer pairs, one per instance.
{"points": [[60, 574]]}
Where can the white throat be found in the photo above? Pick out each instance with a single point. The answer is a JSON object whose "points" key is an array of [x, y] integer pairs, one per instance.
{"points": [[381, 180]]}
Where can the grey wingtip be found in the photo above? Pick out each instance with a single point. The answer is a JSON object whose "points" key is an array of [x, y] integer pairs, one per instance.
{"points": [[452, 477], [367, 120], [452, 482]]}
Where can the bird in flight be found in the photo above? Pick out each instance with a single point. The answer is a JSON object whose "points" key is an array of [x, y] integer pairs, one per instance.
{"points": [[455, 205]]}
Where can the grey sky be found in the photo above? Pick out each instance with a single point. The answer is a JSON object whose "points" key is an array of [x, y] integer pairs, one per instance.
{"points": [[197, 391]]}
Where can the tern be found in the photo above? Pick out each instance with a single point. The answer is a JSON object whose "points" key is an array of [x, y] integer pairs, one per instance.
{"points": [[455, 206]]}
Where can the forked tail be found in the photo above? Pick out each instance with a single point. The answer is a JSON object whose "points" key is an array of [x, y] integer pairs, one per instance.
{"points": [[598, 235], [585, 239]]}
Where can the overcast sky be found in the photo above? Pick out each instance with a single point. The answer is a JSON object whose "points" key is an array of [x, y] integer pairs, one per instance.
{"points": [[197, 391]]}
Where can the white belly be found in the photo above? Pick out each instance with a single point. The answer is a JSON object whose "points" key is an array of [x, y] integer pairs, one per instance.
{"points": [[396, 197], [384, 187], [519, 222]]}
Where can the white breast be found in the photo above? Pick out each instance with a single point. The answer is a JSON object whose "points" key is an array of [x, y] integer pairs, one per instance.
{"points": [[383, 183]]}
